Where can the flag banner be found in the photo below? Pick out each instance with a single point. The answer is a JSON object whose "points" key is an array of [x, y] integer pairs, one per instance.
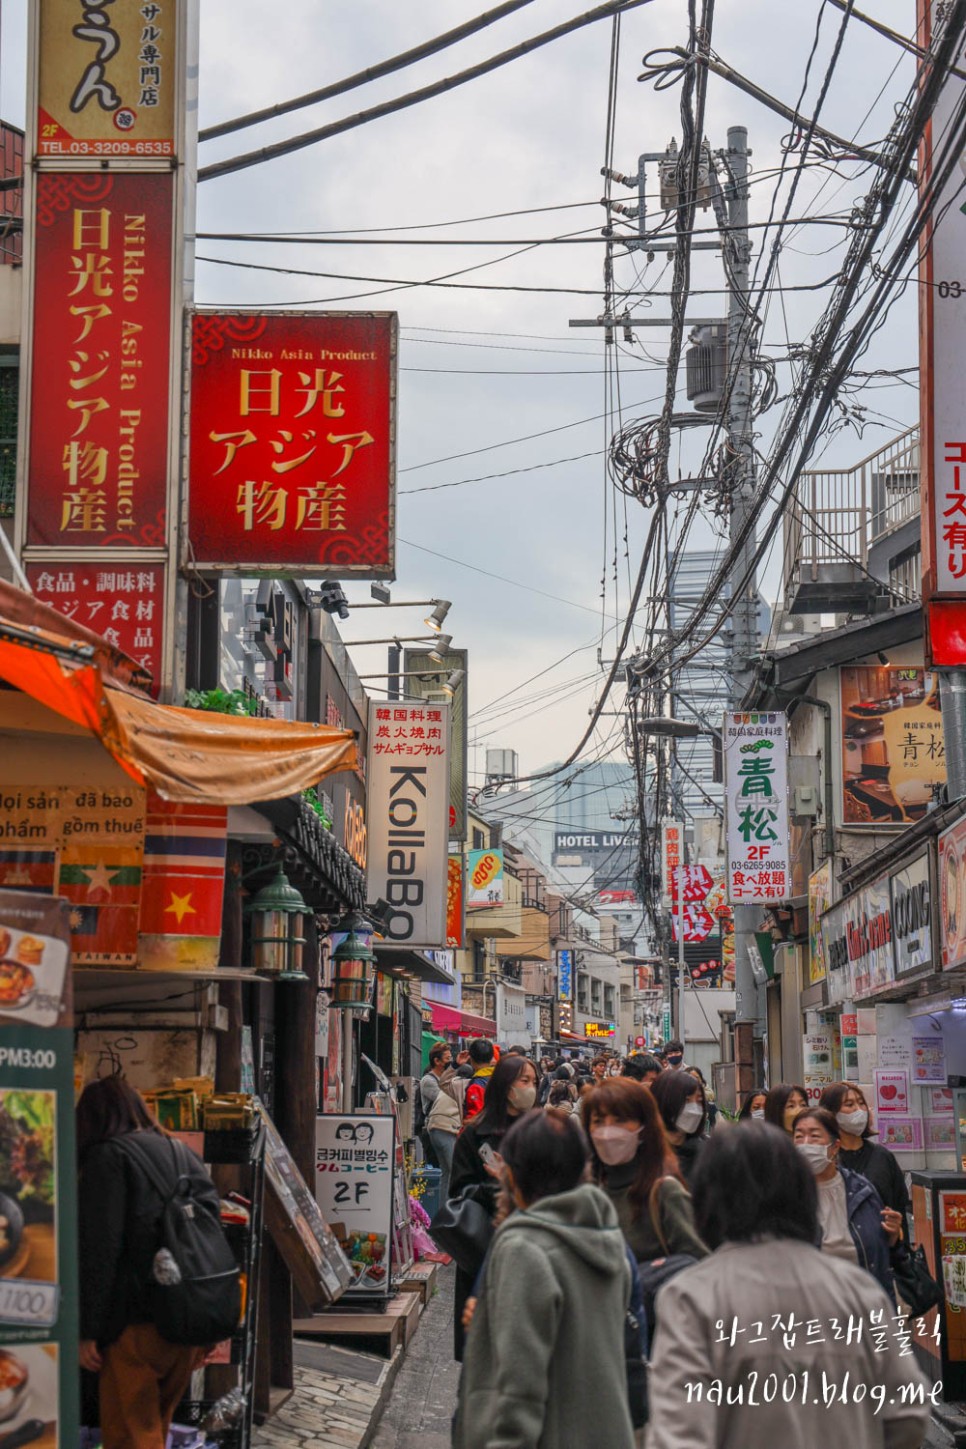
{"points": [[184, 885], [100, 861]]}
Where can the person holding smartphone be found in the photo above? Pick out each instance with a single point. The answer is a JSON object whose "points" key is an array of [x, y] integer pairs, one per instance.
{"points": [[511, 1091]]}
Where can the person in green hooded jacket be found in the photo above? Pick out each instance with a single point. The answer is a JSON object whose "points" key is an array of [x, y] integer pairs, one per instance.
{"points": [[544, 1359]]}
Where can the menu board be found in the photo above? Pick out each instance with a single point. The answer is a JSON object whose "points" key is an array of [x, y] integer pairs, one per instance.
{"points": [[308, 1247], [38, 1184]]}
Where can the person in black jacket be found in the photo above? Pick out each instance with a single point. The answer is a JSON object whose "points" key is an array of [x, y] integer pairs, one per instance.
{"points": [[142, 1377], [684, 1111], [848, 1106]]}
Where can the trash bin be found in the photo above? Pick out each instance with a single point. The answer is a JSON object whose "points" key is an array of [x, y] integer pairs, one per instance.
{"points": [[429, 1198]]}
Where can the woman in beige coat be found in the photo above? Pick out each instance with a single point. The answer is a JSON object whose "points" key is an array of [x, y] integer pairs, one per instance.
{"points": [[770, 1341]]}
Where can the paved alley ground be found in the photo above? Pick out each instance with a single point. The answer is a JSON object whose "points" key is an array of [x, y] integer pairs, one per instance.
{"points": [[420, 1408]]}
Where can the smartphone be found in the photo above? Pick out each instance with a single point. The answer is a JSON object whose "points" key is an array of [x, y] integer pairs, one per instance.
{"points": [[488, 1156]]}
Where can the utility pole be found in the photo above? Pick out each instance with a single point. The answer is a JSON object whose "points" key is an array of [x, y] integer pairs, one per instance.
{"points": [[744, 586]]}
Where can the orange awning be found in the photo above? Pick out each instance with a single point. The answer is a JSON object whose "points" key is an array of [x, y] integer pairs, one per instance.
{"points": [[186, 754]]}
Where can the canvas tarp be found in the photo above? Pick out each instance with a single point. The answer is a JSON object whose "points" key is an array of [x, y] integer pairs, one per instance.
{"points": [[186, 754]]}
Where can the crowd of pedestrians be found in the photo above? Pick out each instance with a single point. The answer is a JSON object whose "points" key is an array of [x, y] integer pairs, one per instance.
{"points": [[604, 1215]]}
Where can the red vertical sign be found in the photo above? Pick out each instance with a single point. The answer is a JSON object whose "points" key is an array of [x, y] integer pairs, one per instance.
{"points": [[98, 448], [123, 602]]}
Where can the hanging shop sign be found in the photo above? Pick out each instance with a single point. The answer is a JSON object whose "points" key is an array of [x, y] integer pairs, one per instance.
{"points": [[952, 896], [756, 807], [107, 78], [672, 857], [354, 1166], [818, 1057], [599, 1030], [942, 320], [293, 443], [408, 801], [98, 436], [455, 903], [893, 753], [820, 891], [511, 1015], [912, 917], [565, 975], [38, 1180], [424, 678], [484, 878], [121, 602]]}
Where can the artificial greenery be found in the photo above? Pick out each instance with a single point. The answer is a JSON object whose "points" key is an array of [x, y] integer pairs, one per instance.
{"points": [[313, 800]]}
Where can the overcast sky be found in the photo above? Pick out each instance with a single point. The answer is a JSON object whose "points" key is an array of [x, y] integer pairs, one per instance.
{"points": [[482, 367]]}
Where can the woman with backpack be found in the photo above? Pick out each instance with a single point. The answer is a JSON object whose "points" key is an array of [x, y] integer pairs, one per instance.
{"points": [[125, 1159], [552, 1307], [634, 1164], [443, 1122]]}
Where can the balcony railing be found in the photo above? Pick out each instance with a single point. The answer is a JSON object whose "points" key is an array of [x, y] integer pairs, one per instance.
{"points": [[835, 517]]}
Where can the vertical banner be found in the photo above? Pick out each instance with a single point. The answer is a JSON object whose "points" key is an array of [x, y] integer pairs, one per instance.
{"points": [[942, 326], [408, 806], [756, 807], [354, 1169], [38, 1173], [455, 903], [184, 885], [484, 879], [293, 442], [99, 425], [565, 975], [418, 662], [820, 891], [107, 79], [121, 601], [672, 856]]}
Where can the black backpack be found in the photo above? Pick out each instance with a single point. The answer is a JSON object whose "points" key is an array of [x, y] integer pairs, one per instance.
{"points": [[194, 1293]]}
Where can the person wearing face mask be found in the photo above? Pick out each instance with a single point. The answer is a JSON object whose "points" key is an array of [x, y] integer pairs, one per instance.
{"points": [[850, 1210], [755, 1204], [783, 1104], [753, 1107], [859, 1154], [674, 1056], [510, 1091], [553, 1298], [681, 1102], [635, 1166]]}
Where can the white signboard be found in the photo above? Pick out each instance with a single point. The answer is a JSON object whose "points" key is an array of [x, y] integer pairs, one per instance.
{"points": [[408, 818], [672, 856], [511, 1015], [354, 1161], [756, 807]]}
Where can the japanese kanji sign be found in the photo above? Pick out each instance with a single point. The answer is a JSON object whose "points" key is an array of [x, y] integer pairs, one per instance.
{"points": [[97, 468], [672, 855], [698, 922], [756, 807], [695, 881], [293, 442], [124, 603], [408, 810], [107, 78], [942, 326], [893, 752]]}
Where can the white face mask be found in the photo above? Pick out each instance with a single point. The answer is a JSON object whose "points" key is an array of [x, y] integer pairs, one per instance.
{"points": [[815, 1154], [689, 1118], [758, 1113], [615, 1145], [522, 1098], [853, 1122]]}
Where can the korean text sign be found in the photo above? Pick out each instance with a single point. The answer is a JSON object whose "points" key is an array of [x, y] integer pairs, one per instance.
{"points": [[293, 442], [98, 451], [408, 806], [756, 806], [354, 1160], [107, 78]]}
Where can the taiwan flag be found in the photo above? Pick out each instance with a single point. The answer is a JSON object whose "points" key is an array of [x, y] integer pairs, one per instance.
{"points": [[184, 884]]}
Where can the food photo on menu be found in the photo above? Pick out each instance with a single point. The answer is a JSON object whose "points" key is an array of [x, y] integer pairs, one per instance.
{"points": [[28, 1396], [28, 1247], [33, 969]]}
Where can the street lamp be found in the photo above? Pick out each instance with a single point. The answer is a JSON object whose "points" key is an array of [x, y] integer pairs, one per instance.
{"points": [[434, 620], [277, 913], [353, 982]]}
